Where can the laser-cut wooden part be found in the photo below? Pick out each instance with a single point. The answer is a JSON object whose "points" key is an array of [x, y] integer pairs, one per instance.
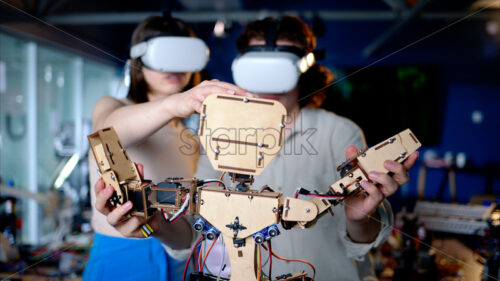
{"points": [[239, 134], [242, 259], [254, 210], [141, 200], [349, 183], [239, 215], [321, 204], [396, 148], [299, 210], [113, 162], [323, 207], [178, 194]]}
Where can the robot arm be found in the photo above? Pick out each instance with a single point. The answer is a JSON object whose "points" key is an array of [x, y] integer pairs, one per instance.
{"points": [[356, 169]]}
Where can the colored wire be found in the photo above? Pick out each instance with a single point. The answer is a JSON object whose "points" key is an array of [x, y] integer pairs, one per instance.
{"points": [[270, 259], [223, 259], [351, 183], [259, 264], [325, 196], [185, 211], [266, 187], [165, 215], [208, 252], [179, 213], [296, 193], [189, 258], [200, 253], [297, 260], [220, 178], [219, 182]]}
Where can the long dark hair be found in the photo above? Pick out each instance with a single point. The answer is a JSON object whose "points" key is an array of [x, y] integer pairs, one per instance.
{"points": [[149, 27], [293, 29]]}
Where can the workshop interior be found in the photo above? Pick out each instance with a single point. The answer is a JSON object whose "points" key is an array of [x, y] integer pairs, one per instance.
{"points": [[425, 65]]}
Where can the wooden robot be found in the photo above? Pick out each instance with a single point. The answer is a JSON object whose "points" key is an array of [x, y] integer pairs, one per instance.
{"points": [[240, 136]]}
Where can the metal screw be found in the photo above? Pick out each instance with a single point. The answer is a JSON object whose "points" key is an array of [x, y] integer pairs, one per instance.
{"points": [[260, 144], [351, 175], [357, 184], [245, 100], [391, 140], [260, 156], [402, 155], [123, 150], [202, 202], [308, 210], [228, 194], [363, 155], [282, 125], [287, 208], [110, 153], [102, 163], [275, 210], [112, 177], [217, 151], [203, 115], [250, 197]]}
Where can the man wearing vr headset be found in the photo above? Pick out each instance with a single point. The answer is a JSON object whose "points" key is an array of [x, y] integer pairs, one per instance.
{"points": [[277, 62], [165, 87]]}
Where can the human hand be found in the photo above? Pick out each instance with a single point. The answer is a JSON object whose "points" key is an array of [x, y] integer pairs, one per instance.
{"points": [[360, 207], [186, 103], [117, 216]]}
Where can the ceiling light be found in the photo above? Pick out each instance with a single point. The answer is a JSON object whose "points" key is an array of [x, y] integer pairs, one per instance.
{"points": [[220, 28]]}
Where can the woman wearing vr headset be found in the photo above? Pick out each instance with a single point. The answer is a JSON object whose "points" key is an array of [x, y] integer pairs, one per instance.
{"points": [[276, 62], [165, 87]]}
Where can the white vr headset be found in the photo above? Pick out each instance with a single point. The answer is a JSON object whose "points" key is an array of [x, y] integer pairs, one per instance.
{"points": [[270, 69], [172, 53]]}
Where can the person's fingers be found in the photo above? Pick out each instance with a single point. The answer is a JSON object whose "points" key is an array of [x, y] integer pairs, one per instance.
{"points": [[115, 216], [102, 197], [388, 184], [99, 185], [130, 228], [248, 94], [209, 89], [375, 196], [400, 174], [351, 151], [140, 169], [410, 161], [197, 105], [227, 86]]}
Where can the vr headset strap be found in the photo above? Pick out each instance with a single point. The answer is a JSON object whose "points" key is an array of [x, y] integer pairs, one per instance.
{"points": [[272, 29], [173, 28]]}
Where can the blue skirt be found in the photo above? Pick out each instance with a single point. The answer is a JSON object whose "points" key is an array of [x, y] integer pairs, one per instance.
{"points": [[114, 258]]}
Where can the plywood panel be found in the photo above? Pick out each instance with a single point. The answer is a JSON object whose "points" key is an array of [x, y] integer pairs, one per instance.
{"points": [[299, 210], [396, 148], [254, 212], [241, 135]]}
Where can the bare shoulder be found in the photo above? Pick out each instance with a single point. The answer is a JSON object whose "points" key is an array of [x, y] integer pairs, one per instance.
{"points": [[104, 107]]}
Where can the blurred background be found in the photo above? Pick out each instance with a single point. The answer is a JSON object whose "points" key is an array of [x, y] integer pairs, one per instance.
{"points": [[432, 66]]}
